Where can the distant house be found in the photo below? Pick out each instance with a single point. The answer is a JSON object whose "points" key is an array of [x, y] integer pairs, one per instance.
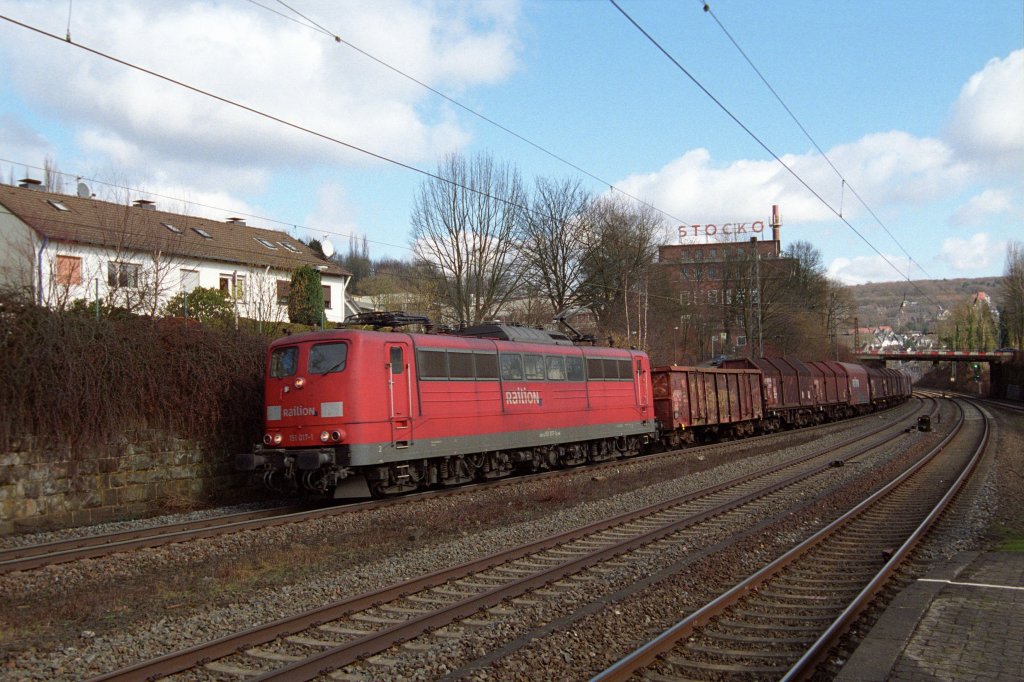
{"points": [[135, 256]]}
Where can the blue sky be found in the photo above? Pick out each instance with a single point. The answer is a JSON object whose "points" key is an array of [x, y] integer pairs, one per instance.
{"points": [[918, 104]]}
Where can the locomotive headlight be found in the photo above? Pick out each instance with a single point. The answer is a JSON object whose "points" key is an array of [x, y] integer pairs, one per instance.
{"points": [[300, 382], [267, 439], [336, 435], [277, 439], [324, 436]]}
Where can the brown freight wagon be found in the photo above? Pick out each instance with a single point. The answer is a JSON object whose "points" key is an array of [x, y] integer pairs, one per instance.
{"points": [[700, 403], [787, 390]]}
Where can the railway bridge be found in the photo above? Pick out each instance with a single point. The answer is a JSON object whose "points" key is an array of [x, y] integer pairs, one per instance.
{"points": [[1005, 365]]}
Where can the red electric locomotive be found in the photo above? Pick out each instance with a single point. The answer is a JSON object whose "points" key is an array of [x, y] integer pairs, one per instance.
{"points": [[354, 413]]}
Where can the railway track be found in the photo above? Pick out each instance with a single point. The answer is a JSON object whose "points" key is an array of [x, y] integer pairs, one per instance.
{"points": [[30, 557], [348, 635], [781, 621]]}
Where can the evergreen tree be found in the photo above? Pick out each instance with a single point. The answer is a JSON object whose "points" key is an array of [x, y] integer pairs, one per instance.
{"points": [[306, 297]]}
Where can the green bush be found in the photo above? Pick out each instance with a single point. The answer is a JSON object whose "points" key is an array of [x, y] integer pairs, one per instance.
{"points": [[209, 306]]}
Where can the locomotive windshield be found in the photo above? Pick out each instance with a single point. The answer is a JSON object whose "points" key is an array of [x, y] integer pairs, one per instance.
{"points": [[284, 362], [325, 358]]}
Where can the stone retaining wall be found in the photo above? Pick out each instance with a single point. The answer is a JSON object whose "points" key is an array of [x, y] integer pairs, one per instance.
{"points": [[42, 489]]}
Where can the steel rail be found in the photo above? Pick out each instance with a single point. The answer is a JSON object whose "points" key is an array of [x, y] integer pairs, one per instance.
{"points": [[182, 660], [667, 640], [817, 652]]}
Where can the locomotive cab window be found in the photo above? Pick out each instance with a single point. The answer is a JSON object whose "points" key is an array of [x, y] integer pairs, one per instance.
{"points": [[326, 358], [397, 360], [284, 362]]}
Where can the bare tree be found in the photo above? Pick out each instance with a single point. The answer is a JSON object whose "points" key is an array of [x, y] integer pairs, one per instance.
{"points": [[53, 179], [467, 226], [621, 248], [554, 246], [1012, 312]]}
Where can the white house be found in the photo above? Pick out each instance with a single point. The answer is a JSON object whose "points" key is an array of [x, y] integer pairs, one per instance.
{"points": [[136, 256]]}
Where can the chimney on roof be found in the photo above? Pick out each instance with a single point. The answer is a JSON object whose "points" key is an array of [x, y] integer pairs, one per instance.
{"points": [[144, 204], [30, 183], [236, 221], [776, 222]]}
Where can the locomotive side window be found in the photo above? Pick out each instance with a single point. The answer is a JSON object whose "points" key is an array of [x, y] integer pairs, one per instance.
{"points": [[432, 364], [325, 358], [555, 367], [284, 362], [534, 365], [511, 366], [574, 369], [460, 365], [397, 360], [595, 369], [486, 365]]}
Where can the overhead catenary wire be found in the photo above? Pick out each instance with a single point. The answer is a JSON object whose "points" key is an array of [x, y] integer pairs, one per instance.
{"points": [[651, 39], [845, 183], [313, 25]]}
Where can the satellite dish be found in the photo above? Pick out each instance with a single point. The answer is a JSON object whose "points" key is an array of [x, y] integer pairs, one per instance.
{"points": [[326, 246], [83, 190]]}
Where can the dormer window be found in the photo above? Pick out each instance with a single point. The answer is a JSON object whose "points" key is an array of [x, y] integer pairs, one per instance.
{"points": [[202, 233], [59, 205]]}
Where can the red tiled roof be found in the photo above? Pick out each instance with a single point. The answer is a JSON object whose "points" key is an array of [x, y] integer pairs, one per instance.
{"points": [[132, 228]]}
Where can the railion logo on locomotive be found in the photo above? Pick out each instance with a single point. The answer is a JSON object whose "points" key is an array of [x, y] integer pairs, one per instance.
{"points": [[298, 411], [521, 396]]}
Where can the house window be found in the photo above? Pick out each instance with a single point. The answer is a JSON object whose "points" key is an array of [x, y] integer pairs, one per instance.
{"points": [[122, 275], [284, 287], [69, 271], [202, 233], [172, 228], [327, 295], [713, 297], [59, 205], [189, 280], [288, 246], [266, 242], [684, 298], [713, 254], [240, 289], [225, 284]]}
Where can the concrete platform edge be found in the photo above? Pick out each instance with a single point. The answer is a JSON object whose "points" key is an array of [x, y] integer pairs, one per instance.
{"points": [[877, 655]]}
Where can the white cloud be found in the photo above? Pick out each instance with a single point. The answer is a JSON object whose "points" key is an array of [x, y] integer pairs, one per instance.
{"points": [[21, 142], [982, 207], [261, 60], [987, 120], [885, 169], [977, 253], [864, 269], [334, 216]]}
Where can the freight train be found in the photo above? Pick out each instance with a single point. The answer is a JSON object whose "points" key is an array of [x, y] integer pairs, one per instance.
{"points": [[355, 413]]}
